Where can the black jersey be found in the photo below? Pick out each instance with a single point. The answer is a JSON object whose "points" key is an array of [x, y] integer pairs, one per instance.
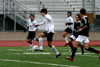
{"points": [[85, 22], [77, 25]]}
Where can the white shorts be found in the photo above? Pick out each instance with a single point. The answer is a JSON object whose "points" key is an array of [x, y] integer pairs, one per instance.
{"points": [[83, 39], [73, 37]]}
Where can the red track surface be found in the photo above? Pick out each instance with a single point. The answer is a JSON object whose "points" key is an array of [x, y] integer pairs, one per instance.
{"points": [[24, 44]]}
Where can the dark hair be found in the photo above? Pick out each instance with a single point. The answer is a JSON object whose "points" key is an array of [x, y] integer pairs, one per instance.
{"points": [[78, 16], [32, 15], [43, 10], [83, 11], [69, 12]]}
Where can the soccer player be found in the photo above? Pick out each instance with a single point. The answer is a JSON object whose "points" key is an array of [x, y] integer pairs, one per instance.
{"points": [[32, 30], [75, 33], [83, 36], [48, 21], [69, 26]]}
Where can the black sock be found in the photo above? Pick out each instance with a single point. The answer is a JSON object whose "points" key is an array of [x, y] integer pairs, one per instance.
{"points": [[82, 49], [93, 50], [71, 45], [73, 52]]}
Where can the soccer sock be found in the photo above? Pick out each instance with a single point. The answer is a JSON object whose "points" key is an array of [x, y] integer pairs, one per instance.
{"points": [[31, 46], [93, 50], [55, 50], [41, 43], [66, 40], [71, 45], [82, 49], [73, 52]]}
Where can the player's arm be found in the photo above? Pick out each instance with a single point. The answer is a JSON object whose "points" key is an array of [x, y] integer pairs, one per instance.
{"points": [[36, 27], [79, 25], [85, 26], [48, 17], [40, 24], [26, 27]]}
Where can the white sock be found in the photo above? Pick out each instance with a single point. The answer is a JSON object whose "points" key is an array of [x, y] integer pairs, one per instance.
{"points": [[55, 50], [66, 39], [31, 46], [41, 43]]}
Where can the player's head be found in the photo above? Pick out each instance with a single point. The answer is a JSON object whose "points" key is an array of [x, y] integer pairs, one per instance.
{"points": [[32, 16], [69, 13], [82, 11], [78, 17], [43, 11]]}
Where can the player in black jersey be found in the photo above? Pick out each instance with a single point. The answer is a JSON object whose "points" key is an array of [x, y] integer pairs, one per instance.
{"points": [[75, 33], [83, 36]]}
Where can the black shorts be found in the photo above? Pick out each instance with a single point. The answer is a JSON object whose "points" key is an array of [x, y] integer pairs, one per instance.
{"points": [[31, 35], [49, 36], [68, 30]]}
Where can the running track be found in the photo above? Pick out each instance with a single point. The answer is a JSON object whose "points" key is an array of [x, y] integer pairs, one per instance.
{"points": [[24, 44]]}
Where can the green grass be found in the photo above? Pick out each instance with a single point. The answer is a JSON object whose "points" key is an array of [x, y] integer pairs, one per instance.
{"points": [[16, 57]]}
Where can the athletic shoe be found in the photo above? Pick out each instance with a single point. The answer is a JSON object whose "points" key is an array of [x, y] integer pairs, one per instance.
{"points": [[58, 55], [69, 58], [99, 54]]}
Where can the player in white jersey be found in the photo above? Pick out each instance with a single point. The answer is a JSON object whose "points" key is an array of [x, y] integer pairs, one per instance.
{"points": [[69, 26], [32, 30], [48, 21]]}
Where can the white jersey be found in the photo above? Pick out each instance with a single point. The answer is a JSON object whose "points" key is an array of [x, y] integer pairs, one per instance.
{"points": [[31, 25], [48, 21], [70, 20]]}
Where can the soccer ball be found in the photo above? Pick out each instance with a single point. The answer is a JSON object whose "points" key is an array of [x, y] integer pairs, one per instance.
{"points": [[36, 48]]}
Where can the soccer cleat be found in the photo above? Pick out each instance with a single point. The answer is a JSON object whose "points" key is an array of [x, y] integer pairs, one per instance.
{"points": [[58, 55], [69, 58], [99, 54]]}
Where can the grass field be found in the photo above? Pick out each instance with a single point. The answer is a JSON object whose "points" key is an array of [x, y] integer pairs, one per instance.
{"points": [[20, 57]]}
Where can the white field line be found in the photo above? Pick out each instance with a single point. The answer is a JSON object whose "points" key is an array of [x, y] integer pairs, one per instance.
{"points": [[28, 49], [15, 50], [38, 53], [78, 53], [19, 61], [90, 56]]}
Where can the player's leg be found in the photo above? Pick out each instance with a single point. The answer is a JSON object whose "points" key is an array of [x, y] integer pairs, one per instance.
{"points": [[75, 45], [49, 39], [65, 37], [31, 36], [41, 35], [73, 51], [30, 44], [72, 38], [70, 45], [82, 49], [91, 49], [86, 41]]}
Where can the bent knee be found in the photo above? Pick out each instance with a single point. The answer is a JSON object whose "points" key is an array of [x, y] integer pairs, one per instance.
{"points": [[64, 34], [41, 35]]}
